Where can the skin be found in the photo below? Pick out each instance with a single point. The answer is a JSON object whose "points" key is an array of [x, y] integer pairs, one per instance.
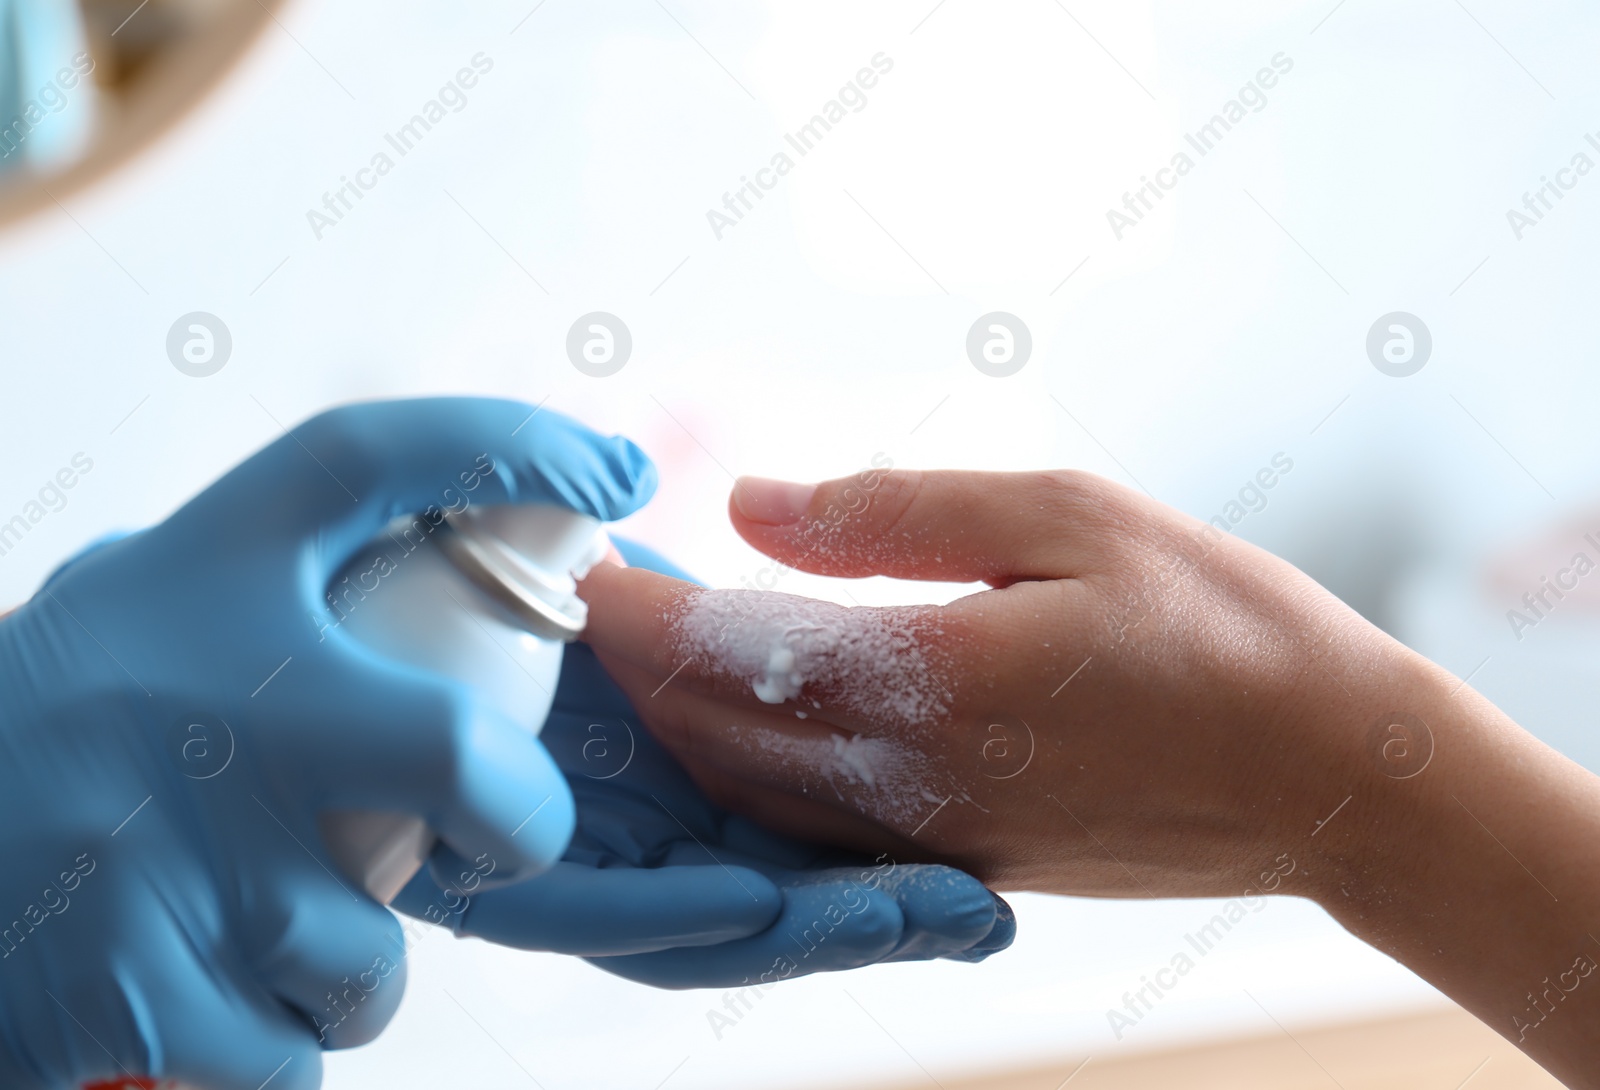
{"points": [[1139, 706]]}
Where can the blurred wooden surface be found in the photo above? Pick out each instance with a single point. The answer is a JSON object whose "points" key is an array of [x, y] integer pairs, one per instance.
{"points": [[1443, 1050]]}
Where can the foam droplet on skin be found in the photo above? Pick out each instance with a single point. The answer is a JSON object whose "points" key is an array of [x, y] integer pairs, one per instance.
{"points": [[781, 681]]}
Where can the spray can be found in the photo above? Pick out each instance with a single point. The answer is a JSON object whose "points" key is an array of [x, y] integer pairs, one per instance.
{"points": [[487, 597]]}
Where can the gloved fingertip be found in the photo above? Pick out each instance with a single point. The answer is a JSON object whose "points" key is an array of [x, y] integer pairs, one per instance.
{"points": [[634, 475], [1001, 936]]}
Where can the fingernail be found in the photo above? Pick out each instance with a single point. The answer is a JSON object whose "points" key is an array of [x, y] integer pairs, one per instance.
{"points": [[771, 503]]}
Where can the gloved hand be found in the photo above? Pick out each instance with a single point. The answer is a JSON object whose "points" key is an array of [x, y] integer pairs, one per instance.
{"points": [[662, 887], [177, 713]]}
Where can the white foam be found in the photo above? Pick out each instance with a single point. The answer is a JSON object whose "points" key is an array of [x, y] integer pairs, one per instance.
{"points": [[855, 756], [869, 662], [884, 780]]}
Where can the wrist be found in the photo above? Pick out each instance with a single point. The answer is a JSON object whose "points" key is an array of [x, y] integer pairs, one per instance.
{"points": [[1464, 853], [1396, 743]]}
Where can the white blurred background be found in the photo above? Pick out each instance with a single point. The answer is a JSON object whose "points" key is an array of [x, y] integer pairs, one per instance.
{"points": [[1227, 327]]}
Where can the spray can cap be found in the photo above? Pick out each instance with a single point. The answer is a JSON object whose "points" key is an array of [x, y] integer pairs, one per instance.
{"points": [[528, 558]]}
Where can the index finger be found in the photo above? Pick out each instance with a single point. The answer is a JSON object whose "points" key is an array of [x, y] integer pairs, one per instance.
{"points": [[337, 479], [877, 666]]}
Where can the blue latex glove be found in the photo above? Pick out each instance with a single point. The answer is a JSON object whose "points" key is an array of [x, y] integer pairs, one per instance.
{"points": [[663, 887], [174, 722]]}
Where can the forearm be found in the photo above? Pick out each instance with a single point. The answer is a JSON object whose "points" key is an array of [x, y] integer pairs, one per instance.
{"points": [[1481, 873]]}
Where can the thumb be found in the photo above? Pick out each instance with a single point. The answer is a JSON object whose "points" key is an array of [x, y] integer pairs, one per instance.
{"points": [[951, 525]]}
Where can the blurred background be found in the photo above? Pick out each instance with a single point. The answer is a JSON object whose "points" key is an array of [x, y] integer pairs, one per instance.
{"points": [[1337, 282]]}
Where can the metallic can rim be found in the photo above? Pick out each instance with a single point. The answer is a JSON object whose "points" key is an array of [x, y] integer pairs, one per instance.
{"points": [[480, 557]]}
